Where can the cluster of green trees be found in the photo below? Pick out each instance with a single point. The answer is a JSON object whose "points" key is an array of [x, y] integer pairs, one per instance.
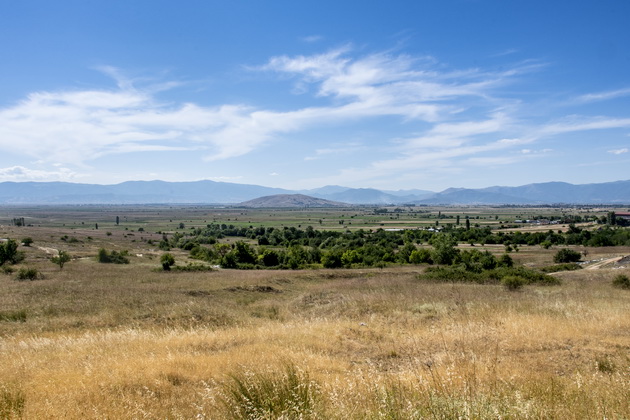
{"points": [[291, 247], [374, 252], [390, 240]]}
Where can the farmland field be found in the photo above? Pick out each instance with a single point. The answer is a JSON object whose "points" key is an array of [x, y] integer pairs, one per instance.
{"points": [[95, 340]]}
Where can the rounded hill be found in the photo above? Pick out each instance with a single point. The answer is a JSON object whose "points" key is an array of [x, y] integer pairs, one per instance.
{"points": [[290, 201]]}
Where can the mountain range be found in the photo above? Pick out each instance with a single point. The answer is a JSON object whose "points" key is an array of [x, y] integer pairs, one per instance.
{"points": [[211, 192]]}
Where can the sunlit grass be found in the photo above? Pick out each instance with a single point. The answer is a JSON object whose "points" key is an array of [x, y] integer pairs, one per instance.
{"points": [[130, 341]]}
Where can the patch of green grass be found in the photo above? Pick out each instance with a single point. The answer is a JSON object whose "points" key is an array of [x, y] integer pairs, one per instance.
{"points": [[458, 274], [192, 267], [13, 316], [12, 402], [560, 267], [290, 394], [622, 281]]}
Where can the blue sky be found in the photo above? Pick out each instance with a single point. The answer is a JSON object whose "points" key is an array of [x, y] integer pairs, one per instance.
{"points": [[301, 94]]}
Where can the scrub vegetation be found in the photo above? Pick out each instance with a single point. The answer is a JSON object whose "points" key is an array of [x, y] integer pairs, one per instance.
{"points": [[445, 329]]}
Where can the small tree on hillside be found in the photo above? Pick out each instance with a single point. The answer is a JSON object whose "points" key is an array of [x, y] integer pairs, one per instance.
{"points": [[9, 252], [62, 258]]}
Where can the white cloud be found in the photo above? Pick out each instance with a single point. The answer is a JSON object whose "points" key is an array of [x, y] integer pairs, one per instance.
{"points": [[619, 151], [604, 96], [312, 38], [20, 173], [82, 125], [336, 150], [439, 118]]}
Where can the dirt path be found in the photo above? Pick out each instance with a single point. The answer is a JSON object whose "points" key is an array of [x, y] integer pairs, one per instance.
{"points": [[602, 263], [48, 250]]}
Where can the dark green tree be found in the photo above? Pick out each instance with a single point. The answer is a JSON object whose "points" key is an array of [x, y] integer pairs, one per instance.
{"points": [[612, 218], [9, 252], [167, 260], [444, 251], [566, 255]]}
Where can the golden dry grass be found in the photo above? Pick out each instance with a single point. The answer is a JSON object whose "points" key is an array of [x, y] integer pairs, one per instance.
{"points": [[107, 341]]}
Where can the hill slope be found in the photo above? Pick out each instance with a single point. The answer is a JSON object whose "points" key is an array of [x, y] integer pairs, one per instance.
{"points": [[290, 201]]}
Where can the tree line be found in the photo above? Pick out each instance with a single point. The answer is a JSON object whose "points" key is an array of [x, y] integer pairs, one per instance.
{"points": [[291, 247]]}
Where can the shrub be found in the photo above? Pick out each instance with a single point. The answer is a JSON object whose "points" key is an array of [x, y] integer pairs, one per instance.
{"points": [[506, 261], [28, 274], [459, 274], [566, 255], [513, 283], [452, 274], [28, 241], [167, 260], [420, 256], [622, 281], [114, 257]]}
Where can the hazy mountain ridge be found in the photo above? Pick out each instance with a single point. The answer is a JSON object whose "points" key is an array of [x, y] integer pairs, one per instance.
{"points": [[212, 192]]}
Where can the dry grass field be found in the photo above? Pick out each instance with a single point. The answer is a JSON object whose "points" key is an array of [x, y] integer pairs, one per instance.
{"points": [[130, 341]]}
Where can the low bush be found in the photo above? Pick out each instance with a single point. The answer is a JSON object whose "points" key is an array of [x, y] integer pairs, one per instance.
{"points": [[114, 257], [622, 281], [28, 274], [566, 255], [458, 274], [452, 274], [513, 283], [167, 260]]}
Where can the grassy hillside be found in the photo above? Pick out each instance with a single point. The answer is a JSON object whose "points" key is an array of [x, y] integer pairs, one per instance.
{"points": [[131, 341]]}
